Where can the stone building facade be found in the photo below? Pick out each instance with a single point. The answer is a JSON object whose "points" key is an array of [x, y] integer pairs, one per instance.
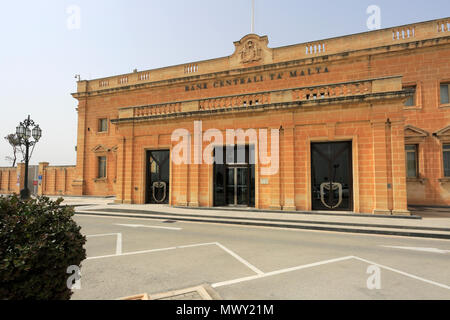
{"points": [[356, 123]]}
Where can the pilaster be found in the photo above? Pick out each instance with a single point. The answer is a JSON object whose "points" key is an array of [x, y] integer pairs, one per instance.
{"points": [[288, 169], [380, 167]]}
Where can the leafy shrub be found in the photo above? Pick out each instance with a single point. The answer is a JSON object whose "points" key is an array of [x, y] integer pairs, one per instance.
{"points": [[39, 240]]}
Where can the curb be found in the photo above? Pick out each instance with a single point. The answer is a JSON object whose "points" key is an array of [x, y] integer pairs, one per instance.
{"points": [[316, 213], [280, 225], [273, 220]]}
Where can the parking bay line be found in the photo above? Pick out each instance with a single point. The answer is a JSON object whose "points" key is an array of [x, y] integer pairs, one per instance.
{"points": [[249, 265], [277, 272], [118, 240], [146, 226], [273, 273], [404, 273], [259, 274], [234, 255]]}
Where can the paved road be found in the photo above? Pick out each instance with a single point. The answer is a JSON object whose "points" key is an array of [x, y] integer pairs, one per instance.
{"points": [[131, 256]]}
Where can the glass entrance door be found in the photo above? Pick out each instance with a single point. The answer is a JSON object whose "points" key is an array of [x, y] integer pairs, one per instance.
{"points": [[238, 186], [331, 170], [234, 181], [158, 174]]}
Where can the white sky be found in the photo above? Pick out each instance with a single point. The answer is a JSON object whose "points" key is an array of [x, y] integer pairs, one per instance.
{"points": [[39, 55]]}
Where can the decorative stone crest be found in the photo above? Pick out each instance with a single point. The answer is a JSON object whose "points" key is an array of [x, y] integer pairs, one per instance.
{"points": [[251, 52], [251, 49]]}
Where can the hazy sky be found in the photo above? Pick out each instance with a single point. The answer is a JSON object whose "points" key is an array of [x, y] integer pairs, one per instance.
{"points": [[39, 54]]}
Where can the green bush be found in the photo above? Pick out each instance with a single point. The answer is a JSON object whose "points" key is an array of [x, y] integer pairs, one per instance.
{"points": [[39, 240]]}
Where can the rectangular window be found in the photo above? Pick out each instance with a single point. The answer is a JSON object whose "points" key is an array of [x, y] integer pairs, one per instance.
{"points": [[101, 167], [103, 125], [411, 161], [446, 150], [412, 99], [445, 93]]}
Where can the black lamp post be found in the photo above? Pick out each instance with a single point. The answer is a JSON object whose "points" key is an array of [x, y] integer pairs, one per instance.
{"points": [[24, 133]]}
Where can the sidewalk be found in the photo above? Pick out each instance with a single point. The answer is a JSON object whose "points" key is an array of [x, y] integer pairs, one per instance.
{"points": [[430, 226]]}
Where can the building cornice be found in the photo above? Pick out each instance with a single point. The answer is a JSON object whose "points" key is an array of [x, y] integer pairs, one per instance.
{"points": [[356, 99], [325, 59]]}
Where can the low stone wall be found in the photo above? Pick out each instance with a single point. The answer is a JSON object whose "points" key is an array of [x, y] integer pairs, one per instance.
{"points": [[53, 180], [8, 180], [56, 180]]}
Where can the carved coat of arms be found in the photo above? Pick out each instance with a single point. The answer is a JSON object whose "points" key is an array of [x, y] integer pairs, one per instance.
{"points": [[251, 52]]}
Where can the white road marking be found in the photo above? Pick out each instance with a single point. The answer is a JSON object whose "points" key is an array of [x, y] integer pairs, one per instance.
{"points": [[118, 240], [249, 265], [131, 253], [145, 226], [101, 235], [432, 250], [234, 255], [151, 251], [273, 273], [405, 273], [259, 273], [197, 245]]}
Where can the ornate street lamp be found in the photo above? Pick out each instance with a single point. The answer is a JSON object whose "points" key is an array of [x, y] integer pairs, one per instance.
{"points": [[24, 133]]}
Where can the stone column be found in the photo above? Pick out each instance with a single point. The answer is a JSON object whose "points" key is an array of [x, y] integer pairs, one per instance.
{"points": [[42, 173], [128, 171], [183, 186], [78, 182], [194, 168], [288, 169], [275, 190], [380, 167], [400, 198], [120, 170]]}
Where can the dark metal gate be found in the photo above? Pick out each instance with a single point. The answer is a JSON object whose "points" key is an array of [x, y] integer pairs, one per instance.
{"points": [[158, 177], [332, 180]]}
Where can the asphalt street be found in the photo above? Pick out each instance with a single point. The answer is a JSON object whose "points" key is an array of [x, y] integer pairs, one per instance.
{"points": [[129, 256]]}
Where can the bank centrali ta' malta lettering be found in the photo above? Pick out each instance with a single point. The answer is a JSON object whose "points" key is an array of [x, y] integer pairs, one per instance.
{"points": [[260, 78]]}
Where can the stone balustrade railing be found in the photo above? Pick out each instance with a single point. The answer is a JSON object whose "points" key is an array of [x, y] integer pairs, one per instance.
{"points": [[157, 109], [334, 90], [234, 101], [242, 101]]}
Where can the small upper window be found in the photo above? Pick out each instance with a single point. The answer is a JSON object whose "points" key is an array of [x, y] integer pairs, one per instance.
{"points": [[102, 125], [446, 150], [445, 93], [411, 99], [101, 167], [411, 161]]}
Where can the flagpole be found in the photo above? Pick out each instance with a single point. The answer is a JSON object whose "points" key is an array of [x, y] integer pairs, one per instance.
{"points": [[253, 16]]}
